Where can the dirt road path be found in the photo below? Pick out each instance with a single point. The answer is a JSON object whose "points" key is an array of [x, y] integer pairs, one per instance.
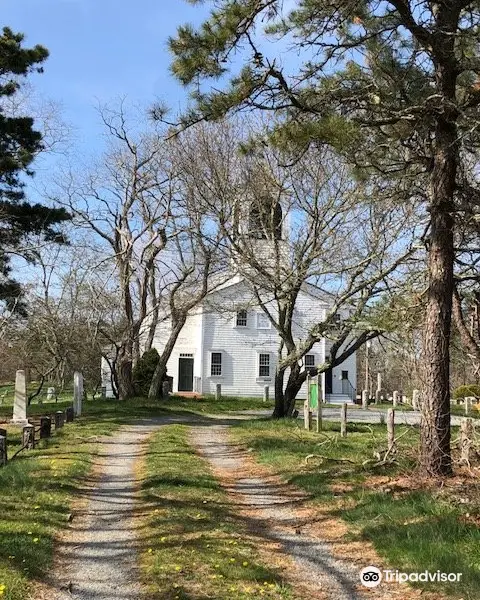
{"points": [[97, 557]]}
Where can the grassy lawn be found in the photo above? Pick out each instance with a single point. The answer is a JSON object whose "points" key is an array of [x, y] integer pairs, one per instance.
{"points": [[412, 528], [196, 547], [38, 486]]}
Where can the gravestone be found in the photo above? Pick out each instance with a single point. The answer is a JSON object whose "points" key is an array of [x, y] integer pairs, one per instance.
{"points": [[45, 427], [28, 437], [69, 414], [395, 398], [416, 399], [20, 400], [266, 391], [3, 450], [165, 390], [51, 393], [77, 393], [364, 399], [218, 391], [59, 419], [469, 401]]}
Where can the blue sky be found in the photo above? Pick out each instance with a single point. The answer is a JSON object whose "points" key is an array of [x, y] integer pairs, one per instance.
{"points": [[101, 50]]}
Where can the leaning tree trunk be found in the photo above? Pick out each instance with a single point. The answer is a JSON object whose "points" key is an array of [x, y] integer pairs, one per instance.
{"points": [[279, 410], [295, 381], [435, 424], [160, 372], [156, 390]]}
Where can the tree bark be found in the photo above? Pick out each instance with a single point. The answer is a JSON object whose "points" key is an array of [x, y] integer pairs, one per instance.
{"points": [[126, 388], [279, 409], [294, 383], [435, 423], [155, 390]]}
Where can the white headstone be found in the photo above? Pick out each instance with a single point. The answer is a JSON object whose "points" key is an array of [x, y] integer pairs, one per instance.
{"points": [[379, 382], [416, 399], [77, 393], [395, 398], [364, 399], [20, 400], [51, 393]]}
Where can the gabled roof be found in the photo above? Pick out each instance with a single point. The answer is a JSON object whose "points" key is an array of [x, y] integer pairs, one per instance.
{"points": [[307, 288]]}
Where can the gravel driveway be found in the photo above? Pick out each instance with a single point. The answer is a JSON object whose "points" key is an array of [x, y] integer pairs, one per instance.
{"points": [[97, 559], [275, 513]]}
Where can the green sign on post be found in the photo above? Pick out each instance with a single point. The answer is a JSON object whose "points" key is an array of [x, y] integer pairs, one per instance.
{"points": [[313, 395]]}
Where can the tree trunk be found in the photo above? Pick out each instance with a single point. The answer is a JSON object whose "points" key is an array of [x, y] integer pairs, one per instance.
{"points": [[126, 388], [435, 424], [295, 381], [279, 410], [155, 390]]}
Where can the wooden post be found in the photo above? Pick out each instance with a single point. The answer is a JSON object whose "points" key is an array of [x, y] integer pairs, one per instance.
{"points": [[3, 433], [218, 391], [306, 407], [266, 393], [59, 419], [466, 439], [319, 405], [391, 430], [3, 450], [69, 414], [343, 420], [28, 437], [45, 427]]}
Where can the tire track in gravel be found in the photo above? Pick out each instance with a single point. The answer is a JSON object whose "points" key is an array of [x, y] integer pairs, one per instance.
{"points": [[97, 558], [276, 511]]}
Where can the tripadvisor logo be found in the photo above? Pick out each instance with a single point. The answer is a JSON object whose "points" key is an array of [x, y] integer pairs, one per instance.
{"points": [[372, 576]]}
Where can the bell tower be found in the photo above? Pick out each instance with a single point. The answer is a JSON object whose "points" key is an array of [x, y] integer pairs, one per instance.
{"points": [[261, 228]]}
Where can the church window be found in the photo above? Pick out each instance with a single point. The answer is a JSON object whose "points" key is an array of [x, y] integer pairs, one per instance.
{"points": [[242, 318], [264, 365], [216, 364]]}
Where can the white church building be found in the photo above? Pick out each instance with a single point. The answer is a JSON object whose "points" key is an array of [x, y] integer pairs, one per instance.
{"points": [[229, 340]]}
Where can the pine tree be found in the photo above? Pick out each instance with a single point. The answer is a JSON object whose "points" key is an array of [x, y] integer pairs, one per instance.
{"points": [[19, 144], [394, 87]]}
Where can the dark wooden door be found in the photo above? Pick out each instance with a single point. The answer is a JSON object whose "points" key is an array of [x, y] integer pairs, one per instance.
{"points": [[185, 374]]}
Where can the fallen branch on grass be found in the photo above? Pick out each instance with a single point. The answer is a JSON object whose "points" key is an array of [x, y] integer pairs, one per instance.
{"points": [[309, 456]]}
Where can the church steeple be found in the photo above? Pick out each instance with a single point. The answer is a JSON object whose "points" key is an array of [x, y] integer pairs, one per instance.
{"points": [[260, 225]]}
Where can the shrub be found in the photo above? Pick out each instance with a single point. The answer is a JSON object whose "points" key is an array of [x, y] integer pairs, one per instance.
{"points": [[467, 390], [144, 370]]}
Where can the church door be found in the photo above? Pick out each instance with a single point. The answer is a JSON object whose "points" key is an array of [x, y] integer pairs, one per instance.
{"points": [[185, 374]]}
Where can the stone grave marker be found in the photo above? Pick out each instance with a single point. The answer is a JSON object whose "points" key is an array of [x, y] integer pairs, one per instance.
{"points": [[20, 400], [77, 393]]}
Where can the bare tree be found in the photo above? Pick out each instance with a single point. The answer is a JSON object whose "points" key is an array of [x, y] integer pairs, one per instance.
{"points": [[144, 226], [306, 224]]}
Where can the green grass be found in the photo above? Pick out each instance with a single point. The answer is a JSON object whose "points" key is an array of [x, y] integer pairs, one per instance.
{"points": [[38, 487], [411, 529], [195, 546], [208, 404]]}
